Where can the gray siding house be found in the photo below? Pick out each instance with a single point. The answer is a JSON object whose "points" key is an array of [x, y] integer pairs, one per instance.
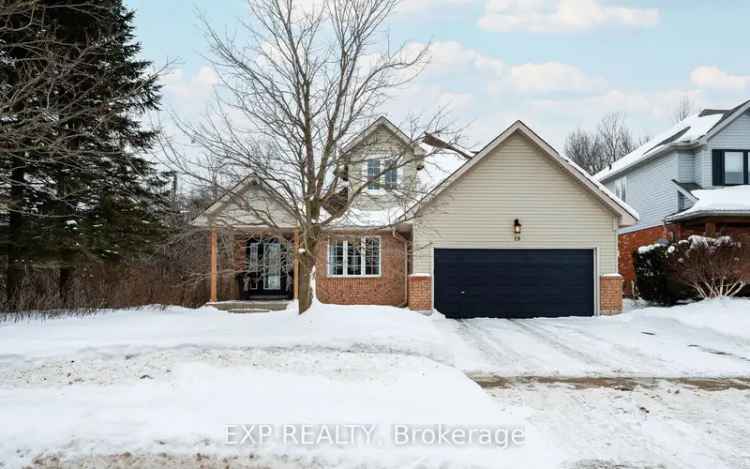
{"points": [[693, 178]]}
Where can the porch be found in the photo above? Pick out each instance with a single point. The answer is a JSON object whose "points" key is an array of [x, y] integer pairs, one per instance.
{"points": [[252, 270]]}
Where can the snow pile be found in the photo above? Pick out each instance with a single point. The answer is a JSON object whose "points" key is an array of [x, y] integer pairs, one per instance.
{"points": [[729, 316], [190, 412], [727, 199], [685, 131], [329, 327]]}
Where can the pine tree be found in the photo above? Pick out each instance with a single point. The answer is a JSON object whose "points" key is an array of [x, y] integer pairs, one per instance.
{"points": [[103, 199]]}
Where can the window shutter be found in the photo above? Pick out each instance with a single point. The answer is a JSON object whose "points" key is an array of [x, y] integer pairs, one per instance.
{"points": [[718, 168]]}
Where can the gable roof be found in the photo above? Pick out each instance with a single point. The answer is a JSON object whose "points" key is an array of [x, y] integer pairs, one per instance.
{"points": [[690, 132], [381, 121], [628, 215]]}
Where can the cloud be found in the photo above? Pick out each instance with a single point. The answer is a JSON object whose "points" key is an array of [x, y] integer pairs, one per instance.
{"points": [[198, 86], [715, 78], [553, 77], [561, 15]]}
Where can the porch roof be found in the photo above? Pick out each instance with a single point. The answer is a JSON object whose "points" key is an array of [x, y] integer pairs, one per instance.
{"points": [[731, 201]]}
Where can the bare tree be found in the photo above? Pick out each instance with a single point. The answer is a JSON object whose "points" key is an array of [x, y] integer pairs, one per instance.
{"points": [[684, 109], [712, 267], [302, 82], [586, 150], [594, 151]]}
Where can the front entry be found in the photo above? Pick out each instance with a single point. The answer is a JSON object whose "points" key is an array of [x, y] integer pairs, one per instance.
{"points": [[269, 271]]}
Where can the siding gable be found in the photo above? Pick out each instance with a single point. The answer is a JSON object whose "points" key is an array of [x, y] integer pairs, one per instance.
{"points": [[735, 136], [517, 180]]}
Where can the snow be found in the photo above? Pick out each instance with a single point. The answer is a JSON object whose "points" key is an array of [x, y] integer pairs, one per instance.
{"points": [[330, 327], [729, 316], [648, 248], [728, 199], [705, 339], [165, 383], [437, 168], [694, 127]]}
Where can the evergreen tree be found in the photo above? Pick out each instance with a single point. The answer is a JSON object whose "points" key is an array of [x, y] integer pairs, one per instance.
{"points": [[101, 198]]}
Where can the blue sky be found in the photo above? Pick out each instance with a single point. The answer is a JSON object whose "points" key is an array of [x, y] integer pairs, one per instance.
{"points": [[556, 64]]}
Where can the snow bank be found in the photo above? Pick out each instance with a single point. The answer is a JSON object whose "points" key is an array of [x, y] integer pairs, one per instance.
{"points": [[190, 413], [730, 316], [351, 328]]}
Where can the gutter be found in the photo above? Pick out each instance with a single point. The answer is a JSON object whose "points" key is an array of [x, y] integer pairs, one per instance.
{"points": [[708, 213]]}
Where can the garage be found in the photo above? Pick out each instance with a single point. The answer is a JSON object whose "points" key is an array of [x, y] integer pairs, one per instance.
{"points": [[514, 283]]}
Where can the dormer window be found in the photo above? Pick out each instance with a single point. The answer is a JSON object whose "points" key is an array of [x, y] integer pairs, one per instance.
{"points": [[730, 167], [373, 175], [378, 177]]}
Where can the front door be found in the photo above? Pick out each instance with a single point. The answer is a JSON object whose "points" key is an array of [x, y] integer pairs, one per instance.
{"points": [[267, 270]]}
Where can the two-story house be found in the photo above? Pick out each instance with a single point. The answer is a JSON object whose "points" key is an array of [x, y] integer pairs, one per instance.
{"points": [[512, 230], [691, 179]]}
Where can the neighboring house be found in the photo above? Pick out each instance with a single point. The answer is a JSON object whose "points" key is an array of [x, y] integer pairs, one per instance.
{"points": [[514, 230], [691, 179]]}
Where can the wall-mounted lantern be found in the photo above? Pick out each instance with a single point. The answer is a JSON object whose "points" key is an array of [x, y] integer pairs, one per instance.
{"points": [[517, 227]]}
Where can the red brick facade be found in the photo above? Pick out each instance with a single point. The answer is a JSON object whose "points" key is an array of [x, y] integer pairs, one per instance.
{"points": [[610, 294], [420, 292], [387, 289]]}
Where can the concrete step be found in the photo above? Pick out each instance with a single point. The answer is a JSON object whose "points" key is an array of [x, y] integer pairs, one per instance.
{"points": [[250, 306]]}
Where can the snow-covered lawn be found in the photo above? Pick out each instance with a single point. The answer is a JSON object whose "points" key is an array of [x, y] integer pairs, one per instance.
{"points": [[164, 384], [710, 338]]}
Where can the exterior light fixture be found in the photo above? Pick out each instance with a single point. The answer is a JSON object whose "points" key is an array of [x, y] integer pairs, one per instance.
{"points": [[517, 227]]}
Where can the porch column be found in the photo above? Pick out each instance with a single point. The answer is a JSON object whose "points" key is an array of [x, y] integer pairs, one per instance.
{"points": [[710, 228], [214, 266], [296, 264]]}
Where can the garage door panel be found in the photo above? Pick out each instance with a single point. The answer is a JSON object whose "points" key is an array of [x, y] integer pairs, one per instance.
{"points": [[514, 283]]}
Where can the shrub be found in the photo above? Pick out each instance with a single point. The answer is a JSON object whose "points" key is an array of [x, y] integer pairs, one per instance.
{"points": [[711, 267], [654, 279]]}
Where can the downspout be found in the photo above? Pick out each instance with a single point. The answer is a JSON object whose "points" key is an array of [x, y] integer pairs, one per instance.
{"points": [[406, 266]]}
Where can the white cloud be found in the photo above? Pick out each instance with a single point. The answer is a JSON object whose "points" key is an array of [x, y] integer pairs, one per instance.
{"points": [[561, 15], [553, 77], [715, 78], [198, 86]]}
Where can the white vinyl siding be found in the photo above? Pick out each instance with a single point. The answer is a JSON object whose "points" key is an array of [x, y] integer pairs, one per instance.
{"points": [[516, 181], [686, 169], [735, 136], [651, 191]]}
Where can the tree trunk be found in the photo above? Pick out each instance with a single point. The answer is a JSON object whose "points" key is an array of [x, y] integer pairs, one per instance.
{"points": [[15, 270], [306, 266], [65, 283]]}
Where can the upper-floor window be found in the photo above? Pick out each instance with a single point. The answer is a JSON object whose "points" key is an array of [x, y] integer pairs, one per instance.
{"points": [[730, 167], [621, 188], [381, 174]]}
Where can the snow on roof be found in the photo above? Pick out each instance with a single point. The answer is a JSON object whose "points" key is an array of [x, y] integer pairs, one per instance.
{"points": [[727, 200], [438, 166], [687, 131]]}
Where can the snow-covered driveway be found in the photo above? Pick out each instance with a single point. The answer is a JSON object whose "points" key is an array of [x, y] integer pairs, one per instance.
{"points": [[705, 339]]}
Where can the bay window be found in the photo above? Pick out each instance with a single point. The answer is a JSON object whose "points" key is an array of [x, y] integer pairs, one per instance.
{"points": [[354, 257]]}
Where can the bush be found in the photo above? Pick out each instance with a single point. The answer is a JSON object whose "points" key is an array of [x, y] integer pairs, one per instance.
{"points": [[711, 267], [654, 279]]}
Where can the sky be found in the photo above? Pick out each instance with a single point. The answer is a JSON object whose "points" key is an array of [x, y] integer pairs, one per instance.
{"points": [[555, 64]]}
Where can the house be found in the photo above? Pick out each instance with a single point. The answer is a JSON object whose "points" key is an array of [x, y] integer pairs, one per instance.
{"points": [[513, 230], [691, 179]]}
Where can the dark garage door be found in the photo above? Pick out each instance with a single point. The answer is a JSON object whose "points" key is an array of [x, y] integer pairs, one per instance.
{"points": [[514, 283]]}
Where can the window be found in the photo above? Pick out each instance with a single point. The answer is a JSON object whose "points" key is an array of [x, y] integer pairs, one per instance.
{"points": [[391, 175], [682, 202], [362, 258], [730, 167], [373, 175], [621, 188]]}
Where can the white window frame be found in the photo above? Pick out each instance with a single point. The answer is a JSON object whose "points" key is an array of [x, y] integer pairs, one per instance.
{"points": [[362, 257], [383, 159], [621, 188]]}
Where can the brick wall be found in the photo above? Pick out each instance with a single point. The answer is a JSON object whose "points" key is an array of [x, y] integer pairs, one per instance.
{"points": [[420, 292], [387, 289], [629, 242], [610, 294]]}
